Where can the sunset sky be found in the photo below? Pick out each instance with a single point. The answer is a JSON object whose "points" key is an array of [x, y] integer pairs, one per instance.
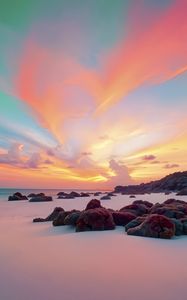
{"points": [[93, 93]]}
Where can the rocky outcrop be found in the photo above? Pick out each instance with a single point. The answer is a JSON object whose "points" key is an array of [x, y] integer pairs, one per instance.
{"points": [[41, 199], [95, 219], [72, 195], [105, 197], [94, 203], [182, 192], [36, 195], [156, 226], [123, 218], [17, 196], [176, 182], [141, 218], [60, 219], [51, 217]]}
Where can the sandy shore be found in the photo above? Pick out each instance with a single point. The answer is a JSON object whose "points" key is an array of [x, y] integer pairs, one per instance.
{"points": [[39, 261]]}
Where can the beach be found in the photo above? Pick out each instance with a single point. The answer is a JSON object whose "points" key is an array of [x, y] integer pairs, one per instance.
{"points": [[39, 261]]}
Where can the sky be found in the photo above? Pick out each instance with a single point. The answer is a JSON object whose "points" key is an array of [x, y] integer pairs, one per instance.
{"points": [[93, 93]]}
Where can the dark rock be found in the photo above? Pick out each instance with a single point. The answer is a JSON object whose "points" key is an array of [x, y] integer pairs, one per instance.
{"points": [[122, 218], [84, 195], [155, 226], [97, 194], [144, 202], [95, 219], [111, 195], [59, 220], [182, 192], [36, 195], [135, 222], [178, 226], [184, 222], [74, 194], [51, 217], [17, 196], [41, 199], [72, 218], [94, 203], [132, 196], [137, 209], [168, 210], [105, 198], [61, 194]]}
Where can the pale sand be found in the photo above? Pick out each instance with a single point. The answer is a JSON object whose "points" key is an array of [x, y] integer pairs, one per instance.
{"points": [[41, 262]]}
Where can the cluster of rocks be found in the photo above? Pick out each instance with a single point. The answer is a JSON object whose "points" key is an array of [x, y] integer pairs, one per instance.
{"points": [[176, 182], [41, 197], [141, 218], [71, 195], [17, 196]]}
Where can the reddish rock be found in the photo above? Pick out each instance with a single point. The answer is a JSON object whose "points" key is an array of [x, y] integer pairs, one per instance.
{"points": [[156, 226], [94, 203], [95, 219], [144, 202], [122, 218], [137, 209]]}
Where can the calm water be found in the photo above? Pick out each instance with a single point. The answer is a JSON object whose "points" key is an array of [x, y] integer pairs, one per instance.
{"points": [[6, 192]]}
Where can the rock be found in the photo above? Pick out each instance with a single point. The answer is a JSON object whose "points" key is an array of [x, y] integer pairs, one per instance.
{"points": [[122, 218], [36, 195], [105, 198], [111, 195], [182, 192], [144, 202], [95, 219], [51, 217], [97, 194], [174, 201], [178, 226], [184, 222], [41, 199], [61, 194], [17, 196], [132, 196], [94, 203], [155, 226], [74, 194], [168, 210], [72, 218], [84, 195], [59, 220], [137, 209], [135, 222]]}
